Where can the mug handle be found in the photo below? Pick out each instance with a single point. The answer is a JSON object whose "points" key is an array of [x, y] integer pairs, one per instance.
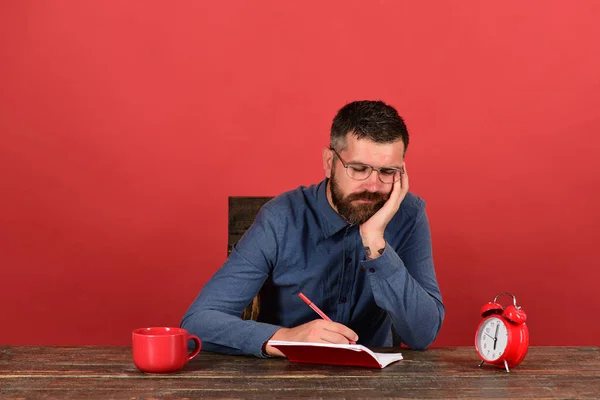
{"points": [[198, 346]]}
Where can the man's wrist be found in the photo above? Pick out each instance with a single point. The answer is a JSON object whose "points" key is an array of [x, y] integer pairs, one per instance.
{"points": [[271, 351], [374, 248]]}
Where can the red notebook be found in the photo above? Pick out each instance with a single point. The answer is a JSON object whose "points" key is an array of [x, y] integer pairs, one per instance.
{"points": [[336, 354]]}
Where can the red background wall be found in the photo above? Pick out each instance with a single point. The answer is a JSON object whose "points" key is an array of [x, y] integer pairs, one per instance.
{"points": [[124, 127]]}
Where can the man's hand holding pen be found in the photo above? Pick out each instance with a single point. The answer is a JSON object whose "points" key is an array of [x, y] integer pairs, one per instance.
{"points": [[318, 331]]}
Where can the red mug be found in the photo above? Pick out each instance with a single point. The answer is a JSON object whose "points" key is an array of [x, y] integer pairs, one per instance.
{"points": [[162, 349]]}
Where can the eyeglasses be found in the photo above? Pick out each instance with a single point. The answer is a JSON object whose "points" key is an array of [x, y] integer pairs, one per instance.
{"points": [[360, 172]]}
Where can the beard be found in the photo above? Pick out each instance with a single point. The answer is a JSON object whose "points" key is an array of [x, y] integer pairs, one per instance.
{"points": [[359, 213]]}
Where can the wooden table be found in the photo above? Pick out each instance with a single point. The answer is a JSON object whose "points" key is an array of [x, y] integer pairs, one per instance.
{"points": [[452, 372]]}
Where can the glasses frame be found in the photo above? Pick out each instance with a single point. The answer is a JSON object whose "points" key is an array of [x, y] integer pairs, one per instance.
{"points": [[371, 169]]}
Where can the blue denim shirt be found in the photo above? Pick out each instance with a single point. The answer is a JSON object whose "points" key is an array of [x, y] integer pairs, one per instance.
{"points": [[298, 243]]}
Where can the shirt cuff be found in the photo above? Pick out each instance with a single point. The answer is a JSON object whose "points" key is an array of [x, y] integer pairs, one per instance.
{"points": [[385, 265], [258, 336]]}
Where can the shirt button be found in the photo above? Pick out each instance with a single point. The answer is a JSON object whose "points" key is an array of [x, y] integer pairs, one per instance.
{"points": [[348, 260], [343, 300], [371, 269]]}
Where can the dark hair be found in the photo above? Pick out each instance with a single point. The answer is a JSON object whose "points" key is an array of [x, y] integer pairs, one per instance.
{"points": [[368, 119]]}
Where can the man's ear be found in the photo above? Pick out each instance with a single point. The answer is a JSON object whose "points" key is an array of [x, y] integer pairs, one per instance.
{"points": [[327, 155]]}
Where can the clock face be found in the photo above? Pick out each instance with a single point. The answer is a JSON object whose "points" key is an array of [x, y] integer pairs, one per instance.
{"points": [[492, 338]]}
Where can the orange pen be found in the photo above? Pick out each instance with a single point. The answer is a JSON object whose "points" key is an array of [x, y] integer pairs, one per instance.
{"points": [[317, 310]]}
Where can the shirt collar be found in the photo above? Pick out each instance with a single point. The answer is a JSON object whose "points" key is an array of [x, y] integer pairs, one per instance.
{"points": [[332, 222]]}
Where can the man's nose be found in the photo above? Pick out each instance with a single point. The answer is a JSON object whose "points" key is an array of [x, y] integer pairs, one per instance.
{"points": [[373, 183]]}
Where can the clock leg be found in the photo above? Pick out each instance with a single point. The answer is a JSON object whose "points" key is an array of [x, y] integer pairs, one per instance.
{"points": [[506, 366], [481, 363]]}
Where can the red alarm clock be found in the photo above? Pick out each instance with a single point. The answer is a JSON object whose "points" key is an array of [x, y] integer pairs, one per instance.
{"points": [[502, 337]]}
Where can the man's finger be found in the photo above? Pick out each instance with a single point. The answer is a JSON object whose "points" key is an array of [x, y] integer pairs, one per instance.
{"points": [[342, 330], [333, 337], [404, 179], [397, 192]]}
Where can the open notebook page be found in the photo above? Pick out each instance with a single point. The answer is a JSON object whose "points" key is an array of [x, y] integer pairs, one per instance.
{"points": [[383, 358]]}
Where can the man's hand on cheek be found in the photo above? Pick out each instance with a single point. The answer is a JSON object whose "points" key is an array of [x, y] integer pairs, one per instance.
{"points": [[372, 231]]}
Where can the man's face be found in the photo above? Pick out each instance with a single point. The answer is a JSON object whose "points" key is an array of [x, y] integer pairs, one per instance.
{"points": [[359, 200]]}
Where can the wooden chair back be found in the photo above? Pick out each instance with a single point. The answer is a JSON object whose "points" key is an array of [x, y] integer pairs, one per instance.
{"points": [[242, 211]]}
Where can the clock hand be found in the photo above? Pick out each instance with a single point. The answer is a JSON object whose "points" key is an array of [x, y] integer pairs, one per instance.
{"points": [[489, 335], [496, 335]]}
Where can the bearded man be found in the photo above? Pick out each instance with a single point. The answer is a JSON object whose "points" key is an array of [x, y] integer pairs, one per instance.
{"points": [[357, 244]]}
